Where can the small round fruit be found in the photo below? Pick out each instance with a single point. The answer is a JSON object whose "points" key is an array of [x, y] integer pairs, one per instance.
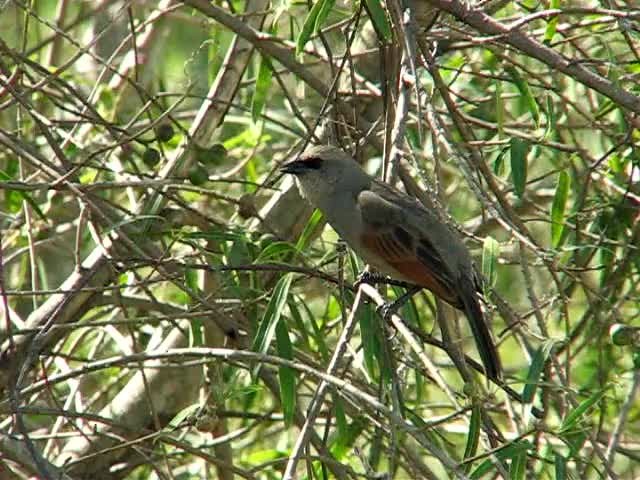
{"points": [[164, 132], [198, 175], [151, 157], [212, 155]]}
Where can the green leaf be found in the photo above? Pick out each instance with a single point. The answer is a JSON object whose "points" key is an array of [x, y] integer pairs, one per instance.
{"points": [[313, 22], [550, 31], [498, 163], [473, 438], [490, 253], [341, 419], [551, 117], [519, 149], [27, 198], [499, 109], [535, 370], [343, 444], [558, 208], [525, 91], [266, 329], [327, 5], [509, 452], [370, 346], [560, 467], [379, 19], [275, 251], [263, 83], [518, 466], [286, 375], [318, 334], [191, 279], [577, 413], [309, 230], [181, 416]]}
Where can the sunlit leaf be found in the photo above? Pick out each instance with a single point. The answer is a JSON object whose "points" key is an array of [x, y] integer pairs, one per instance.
{"points": [[266, 329], [552, 24], [309, 230], [261, 91], [490, 253]]}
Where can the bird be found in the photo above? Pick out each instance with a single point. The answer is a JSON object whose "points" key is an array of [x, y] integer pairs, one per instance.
{"points": [[395, 234]]}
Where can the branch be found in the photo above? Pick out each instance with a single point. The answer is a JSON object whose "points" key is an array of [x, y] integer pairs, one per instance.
{"points": [[514, 37]]}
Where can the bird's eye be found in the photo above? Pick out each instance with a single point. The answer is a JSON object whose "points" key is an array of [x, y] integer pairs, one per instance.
{"points": [[313, 163]]}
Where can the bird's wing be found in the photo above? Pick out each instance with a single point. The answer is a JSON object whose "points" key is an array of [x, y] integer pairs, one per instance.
{"points": [[410, 250], [388, 236]]}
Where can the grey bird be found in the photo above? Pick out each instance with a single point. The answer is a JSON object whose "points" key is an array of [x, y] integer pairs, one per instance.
{"points": [[395, 234]]}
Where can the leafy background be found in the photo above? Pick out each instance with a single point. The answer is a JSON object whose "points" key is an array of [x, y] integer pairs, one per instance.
{"points": [[171, 309]]}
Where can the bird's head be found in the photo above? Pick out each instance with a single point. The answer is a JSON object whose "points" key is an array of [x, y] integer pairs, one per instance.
{"points": [[326, 171]]}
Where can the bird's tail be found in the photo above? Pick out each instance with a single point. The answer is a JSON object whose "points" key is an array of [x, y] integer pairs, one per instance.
{"points": [[484, 342]]}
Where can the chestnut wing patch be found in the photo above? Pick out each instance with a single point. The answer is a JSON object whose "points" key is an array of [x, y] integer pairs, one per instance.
{"points": [[413, 258]]}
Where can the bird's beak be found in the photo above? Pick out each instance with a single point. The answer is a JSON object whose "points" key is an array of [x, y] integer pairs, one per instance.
{"points": [[293, 167]]}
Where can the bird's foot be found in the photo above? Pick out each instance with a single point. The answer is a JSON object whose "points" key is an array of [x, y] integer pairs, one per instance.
{"points": [[368, 278], [387, 310], [390, 308]]}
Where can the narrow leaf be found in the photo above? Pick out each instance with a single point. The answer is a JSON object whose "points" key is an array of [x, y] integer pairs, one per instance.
{"points": [[558, 208], [196, 338], [343, 444], [181, 416], [498, 163], [519, 149], [309, 230], [27, 198], [341, 419], [266, 329], [263, 83], [326, 7], [275, 251], [525, 91], [286, 375], [560, 467], [518, 466], [473, 438], [550, 31], [379, 19], [368, 335], [551, 117], [535, 370], [490, 252], [576, 414], [311, 24], [508, 452], [499, 109]]}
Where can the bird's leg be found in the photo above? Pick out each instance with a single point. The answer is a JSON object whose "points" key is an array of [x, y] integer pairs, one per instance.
{"points": [[388, 309]]}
